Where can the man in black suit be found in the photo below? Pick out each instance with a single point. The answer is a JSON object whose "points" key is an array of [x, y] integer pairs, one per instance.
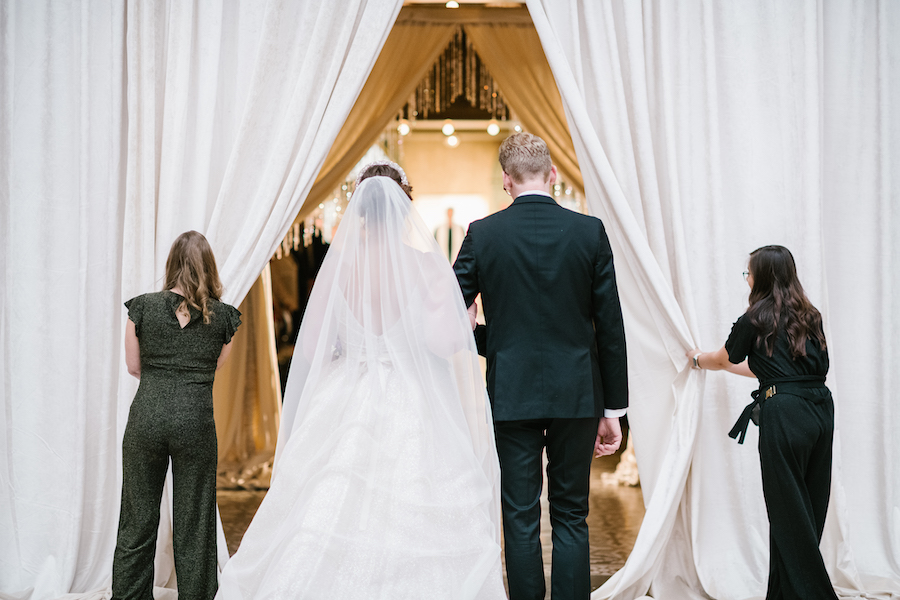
{"points": [[557, 370]]}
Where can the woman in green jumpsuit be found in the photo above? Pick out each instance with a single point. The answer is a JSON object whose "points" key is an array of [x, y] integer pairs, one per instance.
{"points": [[174, 342]]}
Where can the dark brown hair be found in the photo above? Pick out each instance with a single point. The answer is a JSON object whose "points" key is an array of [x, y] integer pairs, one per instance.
{"points": [[380, 170], [191, 267], [778, 302]]}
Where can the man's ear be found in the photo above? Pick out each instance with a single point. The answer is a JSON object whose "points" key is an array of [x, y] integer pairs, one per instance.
{"points": [[554, 175], [507, 183]]}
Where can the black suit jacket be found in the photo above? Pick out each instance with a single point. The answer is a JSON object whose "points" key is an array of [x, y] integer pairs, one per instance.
{"points": [[555, 336]]}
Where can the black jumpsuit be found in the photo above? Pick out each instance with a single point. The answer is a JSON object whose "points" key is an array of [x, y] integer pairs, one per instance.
{"points": [[796, 427], [171, 416]]}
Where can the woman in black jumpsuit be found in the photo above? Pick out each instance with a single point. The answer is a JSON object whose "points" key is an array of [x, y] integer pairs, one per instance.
{"points": [[174, 342], [782, 335]]}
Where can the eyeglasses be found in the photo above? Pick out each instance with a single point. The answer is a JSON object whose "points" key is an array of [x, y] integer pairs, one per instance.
{"points": [[746, 275]]}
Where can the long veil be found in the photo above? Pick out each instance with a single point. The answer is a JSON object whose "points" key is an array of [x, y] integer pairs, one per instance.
{"points": [[386, 449], [385, 286]]}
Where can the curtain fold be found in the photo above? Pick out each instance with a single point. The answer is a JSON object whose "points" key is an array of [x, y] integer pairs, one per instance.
{"points": [[247, 394], [408, 53], [513, 55], [62, 176], [860, 206], [704, 131]]}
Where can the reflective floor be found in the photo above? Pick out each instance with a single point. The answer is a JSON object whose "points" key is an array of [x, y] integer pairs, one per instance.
{"points": [[615, 517]]}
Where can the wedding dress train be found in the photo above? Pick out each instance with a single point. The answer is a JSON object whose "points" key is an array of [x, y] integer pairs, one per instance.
{"points": [[386, 478]]}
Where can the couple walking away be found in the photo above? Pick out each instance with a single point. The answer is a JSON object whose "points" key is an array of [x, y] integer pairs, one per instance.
{"points": [[387, 480], [392, 465]]}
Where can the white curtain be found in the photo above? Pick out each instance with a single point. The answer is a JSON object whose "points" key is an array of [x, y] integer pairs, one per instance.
{"points": [[62, 180], [705, 130], [212, 115]]}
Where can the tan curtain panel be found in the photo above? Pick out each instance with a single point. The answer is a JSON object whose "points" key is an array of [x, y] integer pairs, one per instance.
{"points": [[247, 394], [513, 54], [408, 53]]}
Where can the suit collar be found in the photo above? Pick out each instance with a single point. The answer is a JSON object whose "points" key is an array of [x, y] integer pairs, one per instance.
{"points": [[534, 199]]}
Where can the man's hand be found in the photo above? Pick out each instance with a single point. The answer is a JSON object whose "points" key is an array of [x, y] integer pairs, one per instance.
{"points": [[473, 314], [609, 437]]}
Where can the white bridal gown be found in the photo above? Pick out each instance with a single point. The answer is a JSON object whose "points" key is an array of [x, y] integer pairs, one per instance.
{"points": [[386, 479]]}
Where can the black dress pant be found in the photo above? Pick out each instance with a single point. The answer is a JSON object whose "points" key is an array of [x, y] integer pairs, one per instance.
{"points": [[570, 445], [157, 430], [795, 438]]}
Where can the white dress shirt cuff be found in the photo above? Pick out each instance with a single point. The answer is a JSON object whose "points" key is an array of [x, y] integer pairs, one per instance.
{"points": [[614, 413]]}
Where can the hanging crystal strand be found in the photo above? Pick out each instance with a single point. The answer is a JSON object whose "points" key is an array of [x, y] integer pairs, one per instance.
{"points": [[482, 88], [429, 93], [438, 81], [458, 87], [473, 82]]}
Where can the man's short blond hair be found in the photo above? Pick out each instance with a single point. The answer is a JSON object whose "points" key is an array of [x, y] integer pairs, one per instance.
{"points": [[524, 155]]}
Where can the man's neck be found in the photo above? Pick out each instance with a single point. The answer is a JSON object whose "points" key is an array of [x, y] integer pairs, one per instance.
{"points": [[531, 186]]}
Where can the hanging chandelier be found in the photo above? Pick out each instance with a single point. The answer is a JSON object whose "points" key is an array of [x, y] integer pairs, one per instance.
{"points": [[458, 86]]}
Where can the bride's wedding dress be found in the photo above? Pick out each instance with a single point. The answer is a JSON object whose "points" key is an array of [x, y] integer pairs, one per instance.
{"points": [[386, 478]]}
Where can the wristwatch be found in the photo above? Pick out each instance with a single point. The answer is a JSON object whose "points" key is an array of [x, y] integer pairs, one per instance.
{"points": [[696, 362]]}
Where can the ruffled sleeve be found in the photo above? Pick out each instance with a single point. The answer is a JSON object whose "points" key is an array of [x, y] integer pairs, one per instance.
{"points": [[232, 321], [135, 308]]}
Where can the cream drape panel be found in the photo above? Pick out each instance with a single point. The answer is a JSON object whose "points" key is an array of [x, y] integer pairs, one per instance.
{"points": [[213, 115], [513, 55], [408, 53], [62, 178], [705, 130], [247, 393]]}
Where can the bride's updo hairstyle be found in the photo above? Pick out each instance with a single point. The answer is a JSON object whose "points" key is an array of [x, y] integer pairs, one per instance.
{"points": [[524, 155], [385, 168], [191, 267]]}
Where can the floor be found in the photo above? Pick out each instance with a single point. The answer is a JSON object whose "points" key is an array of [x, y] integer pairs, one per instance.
{"points": [[615, 517]]}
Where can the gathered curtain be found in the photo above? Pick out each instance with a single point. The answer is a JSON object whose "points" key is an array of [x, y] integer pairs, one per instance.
{"points": [[508, 45], [247, 394], [513, 55], [705, 130], [408, 53]]}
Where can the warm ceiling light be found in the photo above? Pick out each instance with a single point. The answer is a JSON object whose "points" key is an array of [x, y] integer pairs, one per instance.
{"points": [[453, 141], [452, 4], [403, 128], [518, 129], [448, 127], [493, 127]]}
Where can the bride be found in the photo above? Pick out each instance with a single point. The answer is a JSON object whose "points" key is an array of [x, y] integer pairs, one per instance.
{"points": [[386, 477]]}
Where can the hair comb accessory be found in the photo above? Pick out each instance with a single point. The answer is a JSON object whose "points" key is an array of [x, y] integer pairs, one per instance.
{"points": [[388, 163]]}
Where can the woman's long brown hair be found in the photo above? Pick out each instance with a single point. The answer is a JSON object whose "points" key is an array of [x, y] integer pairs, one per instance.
{"points": [[778, 302], [191, 267]]}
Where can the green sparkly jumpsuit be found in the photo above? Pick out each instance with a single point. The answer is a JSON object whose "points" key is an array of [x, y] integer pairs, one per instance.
{"points": [[171, 417]]}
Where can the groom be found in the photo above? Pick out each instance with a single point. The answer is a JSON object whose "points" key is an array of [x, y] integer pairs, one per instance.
{"points": [[556, 354]]}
